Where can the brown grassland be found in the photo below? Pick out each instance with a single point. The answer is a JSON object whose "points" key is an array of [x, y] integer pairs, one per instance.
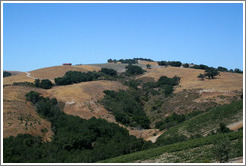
{"points": [[20, 117]]}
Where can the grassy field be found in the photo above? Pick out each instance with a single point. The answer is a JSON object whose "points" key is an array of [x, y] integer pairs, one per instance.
{"points": [[177, 147]]}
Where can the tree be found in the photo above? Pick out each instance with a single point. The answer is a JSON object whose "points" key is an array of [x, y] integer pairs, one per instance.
{"points": [[220, 68], [6, 74], [45, 84], [223, 129], [110, 72], [236, 70], [148, 66], [186, 65], [37, 82], [221, 149], [201, 76], [211, 72], [134, 70]]}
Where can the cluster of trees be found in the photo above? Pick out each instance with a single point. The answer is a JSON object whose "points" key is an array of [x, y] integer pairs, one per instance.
{"points": [[171, 63], [110, 72], [134, 70], [74, 140], [45, 83], [127, 107], [170, 121], [6, 74], [75, 77], [129, 61], [143, 59], [219, 68]]}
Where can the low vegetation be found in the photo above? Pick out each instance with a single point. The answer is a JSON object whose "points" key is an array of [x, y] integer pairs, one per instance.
{"points": [[181, 146], [205, 123]]}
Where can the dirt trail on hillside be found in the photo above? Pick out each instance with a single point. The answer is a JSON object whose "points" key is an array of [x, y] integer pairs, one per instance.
{"points": [[236, 125], [29, 75]]}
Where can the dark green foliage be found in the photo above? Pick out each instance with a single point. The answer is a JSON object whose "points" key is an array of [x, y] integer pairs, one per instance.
{"points": [[76, 77], [24, 84], [37, 82], [164, 80], [148, 66], [134, 70], [126, 107], [33, 97], [75, 139], [170, 121], [6, 74], [110, 72], [45, 84], [171, 63], [220, 68], [204, 121], [186, 65], [133, 83], [211, 72], [223, 129], [129, 61], [21, 148], [180, 146], [203, 67], [175, 63], [163, 63], [201, 76], [143, 59], [221, 149], [236, 70]]}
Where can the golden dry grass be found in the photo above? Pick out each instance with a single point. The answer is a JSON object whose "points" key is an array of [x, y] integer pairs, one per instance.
{"points": [[82, 99], [17, 78], [224, 83], [146, 62], [59, 71], [19, 116]]}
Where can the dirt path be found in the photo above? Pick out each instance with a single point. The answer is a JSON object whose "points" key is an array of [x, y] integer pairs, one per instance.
{"points": [[236, 125], [154, 138], [236, 160], [29, 75]]}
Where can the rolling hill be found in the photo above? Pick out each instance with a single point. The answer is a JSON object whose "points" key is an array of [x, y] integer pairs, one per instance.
{"points": [[84, 100]]}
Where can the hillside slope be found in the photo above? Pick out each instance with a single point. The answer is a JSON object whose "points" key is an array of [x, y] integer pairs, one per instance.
{"points": [[19, 116]]}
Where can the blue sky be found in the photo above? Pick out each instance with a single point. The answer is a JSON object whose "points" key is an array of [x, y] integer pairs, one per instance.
{"points": [[43, 35]]}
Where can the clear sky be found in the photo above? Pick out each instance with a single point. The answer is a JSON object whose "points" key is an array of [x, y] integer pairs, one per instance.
{"points": [[44, 35]]}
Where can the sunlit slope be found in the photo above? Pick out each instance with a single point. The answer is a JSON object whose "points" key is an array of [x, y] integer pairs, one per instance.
{"points": [[59, 71], [17, 78], [19, 116], [224, 83], [82, 99]]}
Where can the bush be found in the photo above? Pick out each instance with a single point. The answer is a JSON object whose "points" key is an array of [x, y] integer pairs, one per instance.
{"points": [[134, 70], [6, 74], [186, 65], [45, 84], [110, 72]]}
